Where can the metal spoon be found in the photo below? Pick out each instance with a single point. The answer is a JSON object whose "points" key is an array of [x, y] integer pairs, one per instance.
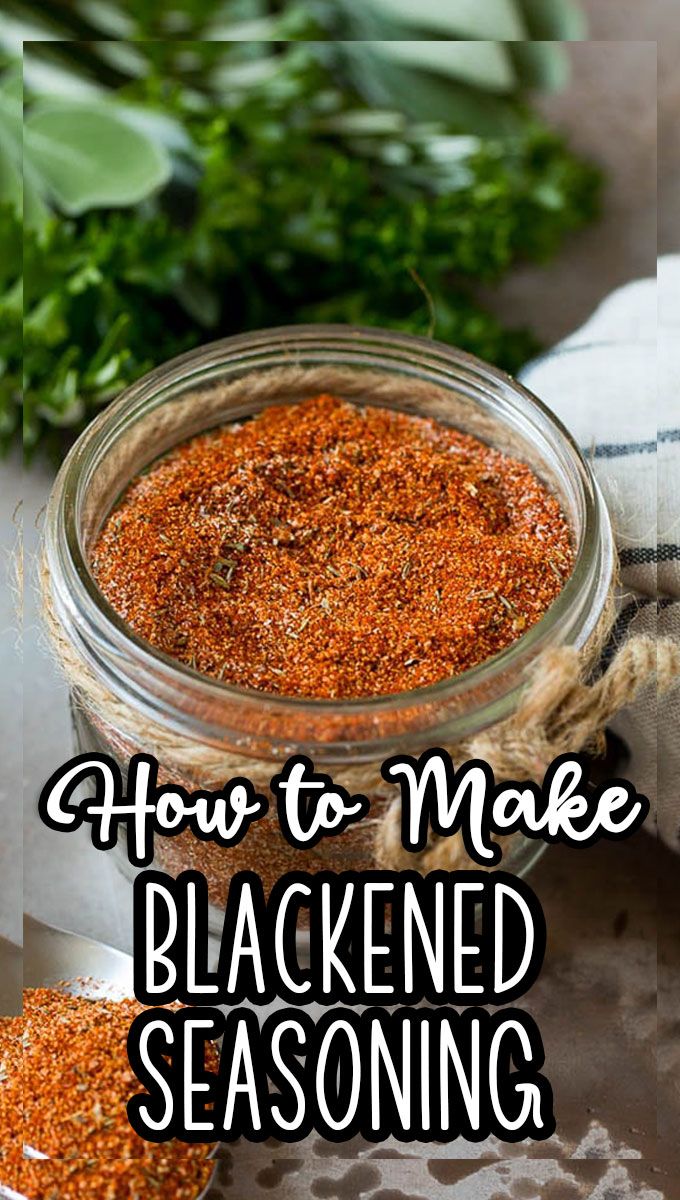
{"points": [[54, 957]]}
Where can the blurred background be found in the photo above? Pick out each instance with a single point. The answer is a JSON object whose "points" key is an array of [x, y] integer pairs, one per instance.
{"points": [[194, 169]]}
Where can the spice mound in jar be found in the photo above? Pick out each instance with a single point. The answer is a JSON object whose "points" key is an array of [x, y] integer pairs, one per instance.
{"points": [[156, 1175], [66, 1070], [327, 550], [11, 1131]]}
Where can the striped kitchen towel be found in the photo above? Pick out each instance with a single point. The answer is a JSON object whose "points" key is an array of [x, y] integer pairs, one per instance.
{"points": [[616, 385]]}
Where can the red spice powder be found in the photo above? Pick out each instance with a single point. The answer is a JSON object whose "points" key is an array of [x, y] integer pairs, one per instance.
{"points": [[64, 1086], [327, 550]]}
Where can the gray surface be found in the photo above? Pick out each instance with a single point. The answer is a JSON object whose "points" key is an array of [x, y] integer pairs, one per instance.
{"points": [[658, 20], [595, 1003], [54, 958], [11, 978], [10, 710]]}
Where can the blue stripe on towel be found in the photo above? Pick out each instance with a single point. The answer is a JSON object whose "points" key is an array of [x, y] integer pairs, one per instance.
{"points": [[640, 555]]}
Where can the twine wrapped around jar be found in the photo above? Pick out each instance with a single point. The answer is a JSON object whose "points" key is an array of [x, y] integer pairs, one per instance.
{"points": [[560, 712], [564, 707]]}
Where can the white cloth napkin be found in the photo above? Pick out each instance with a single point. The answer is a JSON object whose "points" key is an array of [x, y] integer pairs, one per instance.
{"points": [[615, 384]]}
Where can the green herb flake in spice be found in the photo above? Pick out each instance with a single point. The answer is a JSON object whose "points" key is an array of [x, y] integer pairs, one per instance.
{"points": [[444, 550]]}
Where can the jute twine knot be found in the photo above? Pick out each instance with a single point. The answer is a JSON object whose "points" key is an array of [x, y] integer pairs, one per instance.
{"points": [[560, 713]]}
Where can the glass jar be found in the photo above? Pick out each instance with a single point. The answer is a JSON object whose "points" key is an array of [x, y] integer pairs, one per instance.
{"points": [[227, 382]]}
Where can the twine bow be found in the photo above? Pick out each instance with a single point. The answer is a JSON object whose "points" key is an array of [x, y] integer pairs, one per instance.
{"points": [[560, 713]]}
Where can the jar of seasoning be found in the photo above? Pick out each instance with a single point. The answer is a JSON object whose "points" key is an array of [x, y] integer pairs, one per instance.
{"points": [[129, 695]]}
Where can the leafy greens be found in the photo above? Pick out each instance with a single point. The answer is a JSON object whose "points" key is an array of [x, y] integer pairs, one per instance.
{"points": [[287, 203]]}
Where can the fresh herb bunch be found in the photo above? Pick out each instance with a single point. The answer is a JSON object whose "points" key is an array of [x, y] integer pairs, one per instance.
{"points": [[287, 203], [429, 60]]}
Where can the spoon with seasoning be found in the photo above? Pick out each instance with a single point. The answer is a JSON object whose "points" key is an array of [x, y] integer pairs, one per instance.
{"points": [[63, 973], [10, 978]]}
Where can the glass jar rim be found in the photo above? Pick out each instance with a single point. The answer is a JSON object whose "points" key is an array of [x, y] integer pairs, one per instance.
{"points": [[99, 622]]}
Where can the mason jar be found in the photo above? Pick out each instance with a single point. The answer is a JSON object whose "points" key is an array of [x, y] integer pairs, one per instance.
{"points": [[128, 696]]}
